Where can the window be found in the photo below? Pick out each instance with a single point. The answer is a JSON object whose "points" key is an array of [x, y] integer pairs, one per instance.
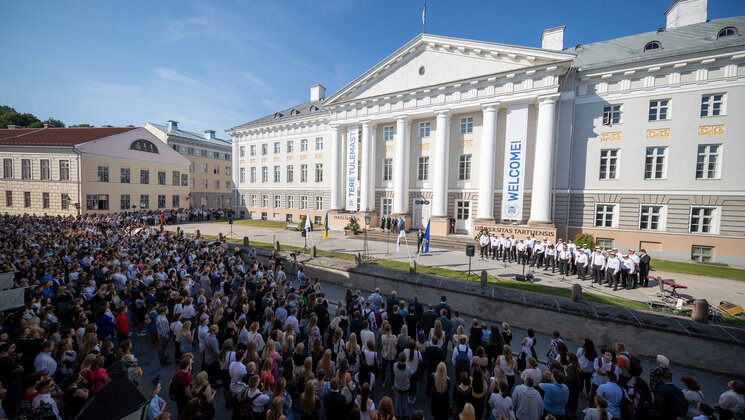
{"points": [[728, 31], [27, 199], [611, 114], [264, 149], [290, 146], [659, 109], [654, 45], [184, 180], [97, 201], [702, 253], [605, 243], [253, 150], [304, 145], [712, 105], [702, 220], [143, 146], [655, 163], [387, 169], [176, 178], [25, 168], [65, 201], [608, 164], [265, 201], [227, 170], [319, 202], [227, 185], [145, 201], [8, 198], [277, 201], [277, 148], [242, 176], [44, 170], [319, 172], [8, 168], [290, 173], [388, 133], [124, 175], [707, 161], [303, 202], [466, 125], [464, 167], [103, 174], [124, 202], [217, 185], [303, 173], [45, 200], [276, 174], [203, 201], [161, 201], [176, 201], [288, 218], [253, 200], [204, 168], [204, 184], [242, 151], [191, 182], [387, 206], [650, 218], [264, 174], [604, 215], [423, 172], [64, 170], [190, 150], [253, 175], [424, 129], [290, 201], [319, 143], [216, 170]]}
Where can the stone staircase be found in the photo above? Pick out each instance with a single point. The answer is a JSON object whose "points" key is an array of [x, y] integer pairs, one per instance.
{"points": [[450, 241]]}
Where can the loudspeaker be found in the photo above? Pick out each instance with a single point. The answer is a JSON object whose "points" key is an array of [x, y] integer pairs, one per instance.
{"points": [[470, 250], [304, 233], [230, 220]]}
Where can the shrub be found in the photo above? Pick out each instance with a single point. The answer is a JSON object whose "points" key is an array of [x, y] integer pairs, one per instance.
{"points": [[583, 239]]}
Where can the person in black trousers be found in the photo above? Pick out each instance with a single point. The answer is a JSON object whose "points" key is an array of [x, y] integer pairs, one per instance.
{"points": [[644, 260], [419, 240]]}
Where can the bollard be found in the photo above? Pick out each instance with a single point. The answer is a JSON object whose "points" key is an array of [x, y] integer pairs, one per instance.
{"points": [[483, 278], [245, 241], [276, 245], [576, 293], [198, 233], [700, 311], [313, 251], [412, 267], [219, 236]]}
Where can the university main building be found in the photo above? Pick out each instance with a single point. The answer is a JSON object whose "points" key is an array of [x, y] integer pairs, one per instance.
{"points": [[636, 140]]}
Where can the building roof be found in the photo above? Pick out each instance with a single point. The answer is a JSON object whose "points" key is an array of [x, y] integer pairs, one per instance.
{"points": [[188, 135], [674, 41], [59, 137], [307, 109]]}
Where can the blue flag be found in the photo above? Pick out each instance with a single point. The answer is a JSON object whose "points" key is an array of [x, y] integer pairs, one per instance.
{"points": [[426, 238]]}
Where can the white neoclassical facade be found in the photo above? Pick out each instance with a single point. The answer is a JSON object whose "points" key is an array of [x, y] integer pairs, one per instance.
{"points": [[635, 140]]}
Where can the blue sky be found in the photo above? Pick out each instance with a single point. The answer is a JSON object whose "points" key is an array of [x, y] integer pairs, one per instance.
{"points": [[215, 65]]}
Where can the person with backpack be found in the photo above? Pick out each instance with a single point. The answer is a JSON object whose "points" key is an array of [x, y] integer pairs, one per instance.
{"points": [[601, 367], [401, 385], [628, 366], [253, 403], [180, 388], [462, 357], [613, 394], [669, 401]]}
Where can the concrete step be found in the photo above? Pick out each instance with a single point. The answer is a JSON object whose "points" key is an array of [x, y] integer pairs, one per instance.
{"points": [[450, 241]]}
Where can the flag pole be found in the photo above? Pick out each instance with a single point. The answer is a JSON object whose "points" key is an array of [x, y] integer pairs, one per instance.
{"points": [[424, 17]]}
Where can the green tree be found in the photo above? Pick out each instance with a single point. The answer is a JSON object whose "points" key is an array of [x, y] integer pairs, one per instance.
{"points": [[81, 125], [9, 116], [53, 122]]}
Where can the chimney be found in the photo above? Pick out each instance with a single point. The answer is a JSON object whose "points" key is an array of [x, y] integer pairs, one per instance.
{"points": [[685, 12], [130, 126], [317, 92], [209, 134], [13, 127], [553, 39], [172, 125], [106, 126], [48, 126]]}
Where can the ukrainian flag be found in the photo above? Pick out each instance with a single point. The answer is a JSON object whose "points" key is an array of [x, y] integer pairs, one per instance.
{"points": [[426, 239], [326, 226]]}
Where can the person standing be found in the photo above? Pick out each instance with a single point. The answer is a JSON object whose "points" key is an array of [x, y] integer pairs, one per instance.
{"points": [[582, 263], [494, 244], [419, 240], [484, 244], [598, 263], [644, 260], [452, 224], [555, 396], [612, 269], [211, 354], [164, 329]]}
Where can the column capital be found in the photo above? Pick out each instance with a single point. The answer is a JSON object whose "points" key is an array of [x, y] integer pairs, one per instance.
{"points": [[548, 99], [402, 117], [442, 112], [490, 107], [365, 123], [334, 126]]}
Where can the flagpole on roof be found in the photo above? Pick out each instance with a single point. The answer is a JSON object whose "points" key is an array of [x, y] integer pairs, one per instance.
{"points": [[424, 17]]}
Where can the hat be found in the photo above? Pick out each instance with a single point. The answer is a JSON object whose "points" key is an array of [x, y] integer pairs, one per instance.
{"points": [[625, 255], [631, 250], [663, 360]]}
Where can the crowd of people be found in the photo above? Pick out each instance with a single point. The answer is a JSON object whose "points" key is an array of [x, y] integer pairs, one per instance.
{"points": [[267, 345]]}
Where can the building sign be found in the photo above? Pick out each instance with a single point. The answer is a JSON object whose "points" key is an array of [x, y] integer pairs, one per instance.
{"points": [[352, 169], [465, 143], [514, 162], [423, 146], [658, 133], [388, 149], [612, 136], [711, 130], [521, 232]]}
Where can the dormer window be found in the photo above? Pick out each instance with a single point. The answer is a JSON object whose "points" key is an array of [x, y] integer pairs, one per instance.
{"points": [[277, 115], [143, 145], [654, 45], [728, 31], [294, 112], [313, 108]]}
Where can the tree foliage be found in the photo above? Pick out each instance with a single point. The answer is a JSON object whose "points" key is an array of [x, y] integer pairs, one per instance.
{"points": [[81, 125], [9, 116], [585, 239]]}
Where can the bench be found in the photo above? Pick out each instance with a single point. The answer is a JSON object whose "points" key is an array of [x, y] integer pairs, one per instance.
{"points": [[292, 226]]}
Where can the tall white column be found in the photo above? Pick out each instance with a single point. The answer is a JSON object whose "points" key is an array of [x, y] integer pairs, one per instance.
{"points": [[442, 147], [365, 176], [487, 149], [336, 166], [543, 171], [400, 168]]}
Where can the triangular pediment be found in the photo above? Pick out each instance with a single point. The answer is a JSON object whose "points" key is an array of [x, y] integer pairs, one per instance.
{"points": [[431, 60]]}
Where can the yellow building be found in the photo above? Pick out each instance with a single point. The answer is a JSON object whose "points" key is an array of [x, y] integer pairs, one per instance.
{"points": [[211, 183], [69, 171]]}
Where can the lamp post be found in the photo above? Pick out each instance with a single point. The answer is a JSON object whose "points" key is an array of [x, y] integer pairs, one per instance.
{"points": [[365, 250]]}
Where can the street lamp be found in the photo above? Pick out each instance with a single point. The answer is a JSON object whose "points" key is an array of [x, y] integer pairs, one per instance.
{"points": [[366, 251]]}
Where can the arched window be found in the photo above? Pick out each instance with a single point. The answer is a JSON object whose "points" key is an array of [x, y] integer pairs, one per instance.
{"points": [[294, 112], [143, 145], [654, 45], [728, 31], [277, 115], [313, 108]]}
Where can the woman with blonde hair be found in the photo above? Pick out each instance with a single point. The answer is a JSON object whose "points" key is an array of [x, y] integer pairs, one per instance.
{"points": [[508, 365], [385, 410], [308, 369], [353, 353], [206, 395], [326, 363], [252, 356], [270, 353], [185, 338], [438, 333], [440, 402], [468, 412], [275, 411], [310, 404]]}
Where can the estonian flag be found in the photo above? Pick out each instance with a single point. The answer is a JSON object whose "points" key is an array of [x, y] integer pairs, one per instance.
{"points": [[426, 239], [326, 226]]}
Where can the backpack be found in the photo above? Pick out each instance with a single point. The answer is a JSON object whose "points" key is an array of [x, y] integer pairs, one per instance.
{"points": [[635, 366], [379, 317], [612, 365], [627, 407], [175, 390], [679, 403], [462, 364], [247, 406]]}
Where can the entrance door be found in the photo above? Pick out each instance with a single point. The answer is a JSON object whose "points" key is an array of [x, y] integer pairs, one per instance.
{"points": [[462, 217], [420, 214]]}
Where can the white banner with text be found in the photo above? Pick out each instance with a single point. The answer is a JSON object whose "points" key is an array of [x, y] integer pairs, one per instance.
{"points": [[515, 144]]}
